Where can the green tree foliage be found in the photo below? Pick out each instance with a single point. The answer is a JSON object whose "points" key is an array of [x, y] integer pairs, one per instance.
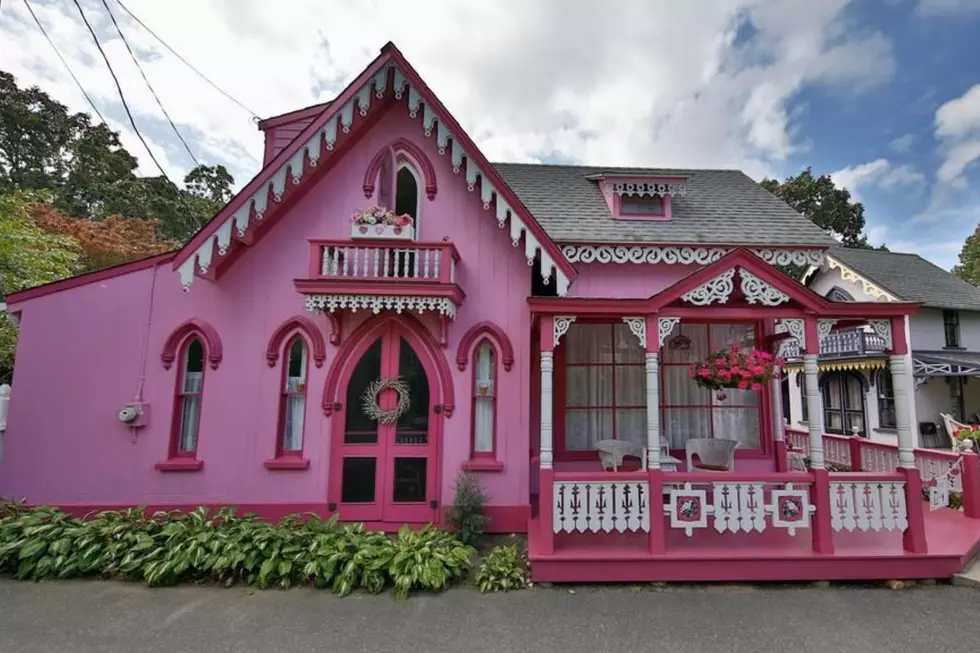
{"points": [[824, 204], [968, 268], [88, 172], [29, 256]]}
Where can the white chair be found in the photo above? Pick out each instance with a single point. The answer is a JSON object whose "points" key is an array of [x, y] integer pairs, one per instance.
{"points": [[714, 454], [611, 452]]}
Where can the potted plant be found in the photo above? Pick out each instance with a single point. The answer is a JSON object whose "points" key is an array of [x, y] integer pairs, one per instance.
{"points": [[966, 437], [380, 222], [732, 368]]}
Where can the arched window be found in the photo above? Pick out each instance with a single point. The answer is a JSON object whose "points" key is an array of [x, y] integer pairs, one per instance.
{"points": [[292, 403], [407, 192], [484, 400], [843, 403], [187, 406], [838, 294]]}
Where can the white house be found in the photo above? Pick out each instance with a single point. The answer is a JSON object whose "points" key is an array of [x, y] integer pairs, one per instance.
{"points": [[944, 338]]}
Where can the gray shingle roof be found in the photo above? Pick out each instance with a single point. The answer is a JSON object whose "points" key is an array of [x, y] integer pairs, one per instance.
{"points": [[911, 277], [721, 207]]}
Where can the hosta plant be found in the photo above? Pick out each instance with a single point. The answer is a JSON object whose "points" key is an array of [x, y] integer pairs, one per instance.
{"points": [[427, 559], [39, 544], [502, 570]]}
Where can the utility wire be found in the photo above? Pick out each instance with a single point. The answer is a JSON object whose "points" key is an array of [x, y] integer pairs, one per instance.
{"points": [[129, 114], [65, 63], [186, 63], [148, 85]]}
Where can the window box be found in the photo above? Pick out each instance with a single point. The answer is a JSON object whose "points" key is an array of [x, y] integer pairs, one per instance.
{"points": [[382, 232]]}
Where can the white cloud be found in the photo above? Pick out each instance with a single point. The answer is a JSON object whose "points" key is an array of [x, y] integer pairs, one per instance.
{"points": [[958, 131], [946, 7], [902, 143], [663, 83], [879, 173]]}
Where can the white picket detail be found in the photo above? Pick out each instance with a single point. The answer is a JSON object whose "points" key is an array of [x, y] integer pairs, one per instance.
{"points": [[868, 506], [601, 506], [739, 507]]}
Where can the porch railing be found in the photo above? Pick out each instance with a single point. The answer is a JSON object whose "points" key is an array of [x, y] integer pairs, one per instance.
{"points": [[843, 343], [392, 261]]}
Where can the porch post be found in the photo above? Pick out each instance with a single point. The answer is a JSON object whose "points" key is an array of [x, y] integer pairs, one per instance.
{"points": [[653, 392], [814, 406], [893, 331], [551, 329]]}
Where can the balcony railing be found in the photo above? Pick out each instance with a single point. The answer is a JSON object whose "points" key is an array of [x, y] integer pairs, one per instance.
{"points": [[412, 262], [842, 344]]}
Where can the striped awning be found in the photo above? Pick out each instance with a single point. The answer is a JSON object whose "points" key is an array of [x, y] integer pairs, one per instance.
{"points": [[836, 365]]}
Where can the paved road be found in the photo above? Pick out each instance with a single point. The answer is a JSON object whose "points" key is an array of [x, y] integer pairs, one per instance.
{"points": [[86, 617]]}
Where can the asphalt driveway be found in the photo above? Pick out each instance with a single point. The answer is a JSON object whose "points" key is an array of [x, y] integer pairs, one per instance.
{"points": [[90, 616]]}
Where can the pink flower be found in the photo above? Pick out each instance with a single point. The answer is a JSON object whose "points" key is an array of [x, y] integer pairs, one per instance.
{"points": [[743, 385], [757, 386], [704, 373], [720, 361]]}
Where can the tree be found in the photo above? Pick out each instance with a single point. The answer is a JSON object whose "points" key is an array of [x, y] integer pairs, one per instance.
{"points": [[108, 242], [824, 204], [968, 268], [29, 256]]}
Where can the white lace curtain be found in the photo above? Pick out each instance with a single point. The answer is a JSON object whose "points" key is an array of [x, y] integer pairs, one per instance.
{"points": [[292, 437], [483, 400]]}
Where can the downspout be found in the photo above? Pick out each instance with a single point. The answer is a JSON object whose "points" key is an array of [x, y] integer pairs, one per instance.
{"points": [[146, 336]]}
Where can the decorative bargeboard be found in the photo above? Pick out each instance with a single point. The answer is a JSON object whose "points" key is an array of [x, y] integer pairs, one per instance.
{"points": [[601, 506], [739, 507]]}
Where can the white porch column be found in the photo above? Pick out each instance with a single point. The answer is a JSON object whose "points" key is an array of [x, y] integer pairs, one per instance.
{"points": [[776, 399], [814, 406], [897, 363], [653, 410], [547, 391]]}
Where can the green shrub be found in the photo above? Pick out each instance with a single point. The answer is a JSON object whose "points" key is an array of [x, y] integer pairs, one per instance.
{"points": [[502, 570], [39, 543], [427, 559], [466, 515], [10, 507]]}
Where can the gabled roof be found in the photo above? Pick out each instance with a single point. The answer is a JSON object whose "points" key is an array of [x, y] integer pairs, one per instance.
{"points": [[910, 277], [388, 74], [720, 207]]}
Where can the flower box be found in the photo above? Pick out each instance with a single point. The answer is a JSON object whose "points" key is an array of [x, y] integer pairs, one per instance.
{"points": [[382, 231], [735, 369]]}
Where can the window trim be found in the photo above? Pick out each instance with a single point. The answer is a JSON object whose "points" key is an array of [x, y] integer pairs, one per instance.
{"points": [[843, 410], [484, 461], [884, 378], [620, 214], [951, 318], [959, 409], [294, 458], [178, 460], [403, 162]]}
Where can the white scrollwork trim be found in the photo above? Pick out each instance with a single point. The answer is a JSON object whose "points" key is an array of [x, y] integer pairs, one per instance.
{"points": [[884, 329], [638, 327], [869, 287], [713, 291], [561, 324], [650, 189], [794, 326], [665, 325], [378, 303], [824, 327], [757, 291], [681, 255]]}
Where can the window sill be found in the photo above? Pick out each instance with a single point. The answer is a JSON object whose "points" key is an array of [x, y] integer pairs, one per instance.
{"points": [[483, 465], [287, 463], [180, 465], [956, 348]]}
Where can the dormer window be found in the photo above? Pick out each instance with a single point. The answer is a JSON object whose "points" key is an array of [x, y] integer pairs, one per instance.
{"points": [[643, 205]]}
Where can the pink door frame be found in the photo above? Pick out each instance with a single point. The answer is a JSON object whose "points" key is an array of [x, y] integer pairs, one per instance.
{"points": [[384, 511]]}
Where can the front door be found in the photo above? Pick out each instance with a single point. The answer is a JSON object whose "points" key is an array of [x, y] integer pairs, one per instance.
{"points": [[387, 472]]}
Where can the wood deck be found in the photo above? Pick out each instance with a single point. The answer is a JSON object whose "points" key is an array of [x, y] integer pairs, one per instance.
{"points": [[773, 555]]}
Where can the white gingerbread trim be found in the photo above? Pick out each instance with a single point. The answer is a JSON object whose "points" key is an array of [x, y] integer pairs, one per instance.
{"points": [[884, 329], [824, 327], [869, 287], [323, 303], [293, 169], [665, 325], [681, 254], [757, 291], [794, 326], [649, 189], [638, 327], [561, 324], [716, 290]]}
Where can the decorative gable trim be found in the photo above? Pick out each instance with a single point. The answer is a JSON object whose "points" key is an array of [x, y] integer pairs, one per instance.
{"points": [[682, 254], [645, 188], [250, 206], [713, 291], [867, 285], [757, 291]]}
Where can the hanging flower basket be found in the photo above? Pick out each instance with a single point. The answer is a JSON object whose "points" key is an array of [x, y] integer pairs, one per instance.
{"points": [[381, 223], [370, 399], [734, 369]]}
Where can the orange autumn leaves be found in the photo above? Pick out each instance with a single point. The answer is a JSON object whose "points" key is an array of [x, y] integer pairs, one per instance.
{"points": [[107, 242]]}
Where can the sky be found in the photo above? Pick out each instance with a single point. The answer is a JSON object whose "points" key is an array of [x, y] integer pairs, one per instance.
{"points": [[883, 95]]}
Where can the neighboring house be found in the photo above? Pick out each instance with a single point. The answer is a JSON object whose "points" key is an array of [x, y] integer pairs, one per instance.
{"points": [[855, 384], [293, 358]]}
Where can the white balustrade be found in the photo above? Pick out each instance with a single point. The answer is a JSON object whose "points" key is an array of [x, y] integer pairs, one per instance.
{"points": [[381, 263], [880, 460], [868, 506], [934, 467], [739, 507], [837, 451], [601, 506]]}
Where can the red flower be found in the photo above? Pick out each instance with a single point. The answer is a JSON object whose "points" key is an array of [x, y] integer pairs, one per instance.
{"points": [[757, 386], [743, 385]]}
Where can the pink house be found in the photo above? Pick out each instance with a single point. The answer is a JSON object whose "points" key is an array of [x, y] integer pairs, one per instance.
{"points": [[532, 324]]}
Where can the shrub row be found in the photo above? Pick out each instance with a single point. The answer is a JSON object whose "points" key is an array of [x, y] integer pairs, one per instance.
{"points": [[168, 548]]}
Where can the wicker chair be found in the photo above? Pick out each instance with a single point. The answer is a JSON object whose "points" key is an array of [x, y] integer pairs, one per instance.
{"points": [[714, 454]]}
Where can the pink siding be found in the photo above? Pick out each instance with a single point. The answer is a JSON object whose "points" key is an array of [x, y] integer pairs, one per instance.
{"points": [[277, 138], [80, 358], [629, 281]]}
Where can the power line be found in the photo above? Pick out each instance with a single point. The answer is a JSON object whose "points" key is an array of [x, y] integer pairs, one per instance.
{"points": [[148, 85], [65, 63], [186, 63], [129, 113]]}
